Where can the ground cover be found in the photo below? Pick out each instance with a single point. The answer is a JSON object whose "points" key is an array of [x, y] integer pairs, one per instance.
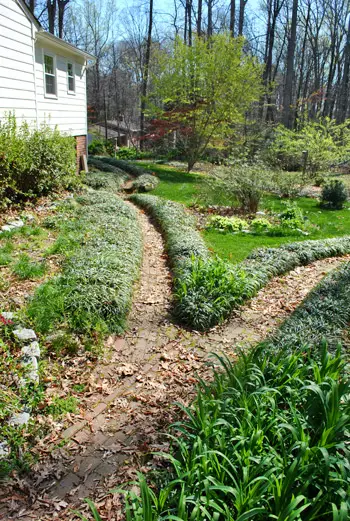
{"points": [[268, 438], [101, 240]]}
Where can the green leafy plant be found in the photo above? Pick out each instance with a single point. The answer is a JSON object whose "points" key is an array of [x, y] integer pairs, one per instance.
{"points": [[260, 225], [24, 268], [145, 183], [34, 161], [61, 406], [334, 195], [227, 224]]}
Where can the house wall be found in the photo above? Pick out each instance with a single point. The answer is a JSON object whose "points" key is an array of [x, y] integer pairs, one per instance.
{"points": [[17, 81], [66, 110]]}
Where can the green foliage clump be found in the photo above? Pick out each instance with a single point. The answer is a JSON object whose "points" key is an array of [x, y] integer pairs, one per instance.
{"points": [[102, 244], [101, 146], [323, 141], [24, 268], [206, 291], [145, 183], [34, 161], [61, 406], [260, 225], [227, 224], [334, 195], [121, 164]]}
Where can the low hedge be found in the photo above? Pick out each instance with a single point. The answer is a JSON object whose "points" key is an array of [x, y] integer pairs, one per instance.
{"points": [[264, 263], [105, 176], [145, 183], [102, 243], [268, 438], [325, 313], [128, 167], [182, 239]]}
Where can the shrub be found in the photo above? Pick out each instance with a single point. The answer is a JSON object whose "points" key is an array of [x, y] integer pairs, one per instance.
{"points": [[34, 161], [227, 224], [103, 247], [334, 195], [244, 182], [145, 183], [126, 153], [101, 146], [260, 225]]}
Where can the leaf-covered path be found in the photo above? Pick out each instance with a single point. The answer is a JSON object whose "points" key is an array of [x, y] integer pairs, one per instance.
{"points": [[137, 383]]}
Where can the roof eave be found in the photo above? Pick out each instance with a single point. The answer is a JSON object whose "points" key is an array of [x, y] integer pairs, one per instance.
{"points": [[44, 35]]}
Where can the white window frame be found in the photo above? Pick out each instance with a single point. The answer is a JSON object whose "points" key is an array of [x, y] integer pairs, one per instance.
{"points": [[48, 94], [71, 92]]}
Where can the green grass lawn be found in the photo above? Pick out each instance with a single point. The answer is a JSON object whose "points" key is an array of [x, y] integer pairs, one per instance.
{"points": [[182, 187]]}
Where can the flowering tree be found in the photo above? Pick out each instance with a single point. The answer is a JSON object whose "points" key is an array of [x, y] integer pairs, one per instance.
{"points": [[200, 91]]}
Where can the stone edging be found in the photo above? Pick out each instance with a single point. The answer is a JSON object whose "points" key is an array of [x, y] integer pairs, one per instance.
{"points": [[30, 355]]}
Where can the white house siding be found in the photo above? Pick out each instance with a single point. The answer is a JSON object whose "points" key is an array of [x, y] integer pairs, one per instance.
{"points": [[67, 111], [17, 82]]}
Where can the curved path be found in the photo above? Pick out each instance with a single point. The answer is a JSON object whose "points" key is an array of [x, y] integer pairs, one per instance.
{"points": [[142, 374]]}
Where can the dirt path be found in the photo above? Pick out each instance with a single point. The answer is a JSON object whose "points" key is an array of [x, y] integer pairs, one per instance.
{"points": [[141, 376]]}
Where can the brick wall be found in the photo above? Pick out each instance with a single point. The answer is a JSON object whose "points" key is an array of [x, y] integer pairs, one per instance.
{"points": [[81, 150]]}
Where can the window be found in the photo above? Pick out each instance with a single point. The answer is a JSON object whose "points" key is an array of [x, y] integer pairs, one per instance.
{"points": [[50, 75], [71, 78]]}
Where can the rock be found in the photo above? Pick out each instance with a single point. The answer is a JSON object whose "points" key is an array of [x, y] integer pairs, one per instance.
{"points": [[8, 315], [24, 334], [30, 361], [32, 350], [20, 418], [6, 228], [260, 213], [16, 224], [29, 217], [4, 449]]}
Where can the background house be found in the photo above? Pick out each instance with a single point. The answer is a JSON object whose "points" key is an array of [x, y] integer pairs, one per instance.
{"points": [[42, 78]]}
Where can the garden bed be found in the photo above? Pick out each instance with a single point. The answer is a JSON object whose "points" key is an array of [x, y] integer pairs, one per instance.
{"points": [[268, 437]]}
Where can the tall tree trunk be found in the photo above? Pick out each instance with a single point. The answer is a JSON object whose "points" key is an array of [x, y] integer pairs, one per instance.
{"points": [[302, 62], [210, 18], [199, 17], [232, 17], [62, 4], [146, 74], [287, 117], [31, 5], [344, 87], [51, 14], [242, 4], [189, 16]]}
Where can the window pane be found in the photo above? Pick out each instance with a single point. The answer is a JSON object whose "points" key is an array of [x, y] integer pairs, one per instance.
{"points": [[49, 64], [70, 69], [71, 83], [50, 84]]}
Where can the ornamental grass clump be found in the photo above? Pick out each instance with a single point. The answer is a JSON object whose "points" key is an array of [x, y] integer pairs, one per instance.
{"points": [[102, 245], [267, 439]]}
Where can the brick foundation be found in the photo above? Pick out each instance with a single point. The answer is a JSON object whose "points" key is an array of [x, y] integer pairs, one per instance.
{"points": [[80, 144]]}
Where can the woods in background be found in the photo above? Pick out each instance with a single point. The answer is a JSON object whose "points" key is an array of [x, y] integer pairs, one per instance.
{"points": [[303, 45]]}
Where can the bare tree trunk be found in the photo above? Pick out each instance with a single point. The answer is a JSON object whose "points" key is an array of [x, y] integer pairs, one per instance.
{"points": [[288, 87], [242, 4], [210, 18], [344, 87], [302, 62], [146, 74], [199, 17], [189, 17], [62, 4], [232, 17], [31, 5], [51, 14]]}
